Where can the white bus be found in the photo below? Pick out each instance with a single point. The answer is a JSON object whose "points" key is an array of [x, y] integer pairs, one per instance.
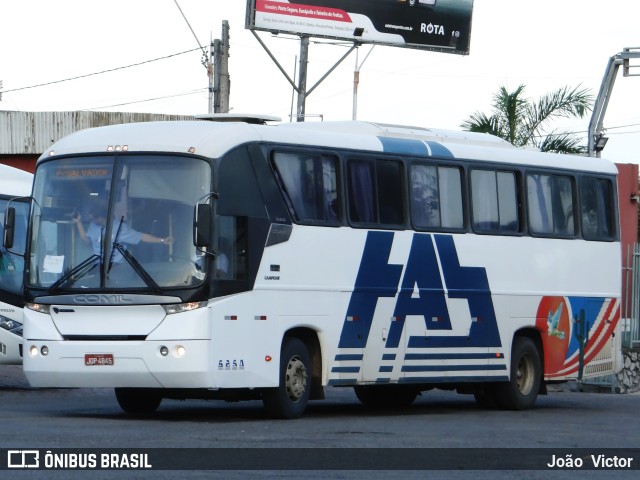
{"points": [[15, 188], [237, 260]]}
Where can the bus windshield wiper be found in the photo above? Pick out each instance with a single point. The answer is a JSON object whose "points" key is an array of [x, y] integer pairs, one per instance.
{"points": [[115, 242], [80, 270], [139, 269]]}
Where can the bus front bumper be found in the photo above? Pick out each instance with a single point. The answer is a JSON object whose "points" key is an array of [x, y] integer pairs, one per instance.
{"points": [[142, 364]]}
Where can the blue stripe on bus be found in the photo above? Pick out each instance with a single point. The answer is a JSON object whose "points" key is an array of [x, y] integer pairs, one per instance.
{"points": [[452, 368], [450, 356], [342, 381], [439, 150], [424, 380], [405, 146], [347, 356], [388, 356], [345, 369], [432, 380], [386, 369]]}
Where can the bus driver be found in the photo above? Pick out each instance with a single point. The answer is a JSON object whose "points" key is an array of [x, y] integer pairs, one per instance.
{"points": [[95, 232]]}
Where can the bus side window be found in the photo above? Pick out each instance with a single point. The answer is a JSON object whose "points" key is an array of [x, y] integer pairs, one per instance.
{"points": [[550, 200], [425, 196], [450, 189], [436, 197], [231, 252], [375, 191], [310, 185], [596, 209], [389, 179], [494, 200], [363, 207]]}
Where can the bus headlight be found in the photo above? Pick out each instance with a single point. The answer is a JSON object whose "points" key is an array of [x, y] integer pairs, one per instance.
{"points": [[11, 325], [183, 307], [180, 351], [38, 307]]}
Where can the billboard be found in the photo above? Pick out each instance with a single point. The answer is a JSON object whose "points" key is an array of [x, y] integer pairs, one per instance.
{"points": [[439, 25]]}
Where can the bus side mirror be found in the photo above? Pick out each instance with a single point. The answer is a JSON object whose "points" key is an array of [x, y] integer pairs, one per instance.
{"points": [[202, 225], [9, 227]]}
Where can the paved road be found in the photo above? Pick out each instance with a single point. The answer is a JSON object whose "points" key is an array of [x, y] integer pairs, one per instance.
{"points": [[91, 418]]}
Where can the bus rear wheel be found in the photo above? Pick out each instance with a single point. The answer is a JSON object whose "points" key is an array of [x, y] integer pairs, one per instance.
{"points": [[386, 396], [290, 398], [521, 391], [138, 400]]}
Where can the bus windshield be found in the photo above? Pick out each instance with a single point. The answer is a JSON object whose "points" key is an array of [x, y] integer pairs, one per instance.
{"points": [[117, 222]]}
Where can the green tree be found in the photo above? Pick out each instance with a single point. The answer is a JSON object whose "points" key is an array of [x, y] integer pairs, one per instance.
{"points": [[522, 121]]}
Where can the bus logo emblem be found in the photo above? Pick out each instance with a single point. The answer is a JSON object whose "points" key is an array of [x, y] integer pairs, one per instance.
{"points": [[421, 291]]}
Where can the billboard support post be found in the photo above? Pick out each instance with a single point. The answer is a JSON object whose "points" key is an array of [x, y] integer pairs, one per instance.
{"points": [[356, 82], [301, 87], [302, 77]]}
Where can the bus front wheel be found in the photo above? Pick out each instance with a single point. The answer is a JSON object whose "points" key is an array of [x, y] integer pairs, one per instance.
{"points": [[521, 391], [290, 398], [138, 400]]}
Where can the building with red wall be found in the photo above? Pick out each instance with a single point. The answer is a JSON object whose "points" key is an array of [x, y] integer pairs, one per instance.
{"points": [[628, 208]]}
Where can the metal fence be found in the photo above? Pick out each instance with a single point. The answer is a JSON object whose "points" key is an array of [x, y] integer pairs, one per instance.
{"points": [[630, 317]]}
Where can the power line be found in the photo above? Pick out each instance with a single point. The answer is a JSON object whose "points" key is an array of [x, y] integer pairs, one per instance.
{"points": [[623, 126], [192, 92], [189, 25], [621, 133], [101, 72]]}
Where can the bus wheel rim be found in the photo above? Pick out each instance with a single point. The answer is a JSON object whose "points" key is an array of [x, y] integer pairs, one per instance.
{"points": [[524, 375], [296, 379]]}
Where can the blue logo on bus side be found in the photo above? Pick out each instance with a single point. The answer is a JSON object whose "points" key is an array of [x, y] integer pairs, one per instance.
{"points": [[377, 278]]}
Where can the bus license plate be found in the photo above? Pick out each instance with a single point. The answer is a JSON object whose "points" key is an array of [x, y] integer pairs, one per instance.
{"points": [[93, 359]]}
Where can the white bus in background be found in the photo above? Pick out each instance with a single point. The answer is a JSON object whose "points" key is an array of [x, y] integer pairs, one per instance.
{"points": [[238, 260], [15, 188]]}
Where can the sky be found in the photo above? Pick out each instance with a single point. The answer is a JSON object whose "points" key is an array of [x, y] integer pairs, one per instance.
{"points": [[543, 44]]}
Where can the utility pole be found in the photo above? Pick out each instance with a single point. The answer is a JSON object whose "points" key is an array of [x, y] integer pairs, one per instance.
{"points": [[214, 79], [225, 83], [221, 83]]}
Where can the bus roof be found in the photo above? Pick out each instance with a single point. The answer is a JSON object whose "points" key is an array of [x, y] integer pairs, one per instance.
{"points": [[214, 138], [15, 182]]}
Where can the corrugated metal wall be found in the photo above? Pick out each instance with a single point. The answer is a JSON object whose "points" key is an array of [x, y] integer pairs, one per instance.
{"points": [[33, 132]]}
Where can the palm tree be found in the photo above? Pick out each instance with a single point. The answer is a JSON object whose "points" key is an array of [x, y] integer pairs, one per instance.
{"points": [[522, 122]]}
